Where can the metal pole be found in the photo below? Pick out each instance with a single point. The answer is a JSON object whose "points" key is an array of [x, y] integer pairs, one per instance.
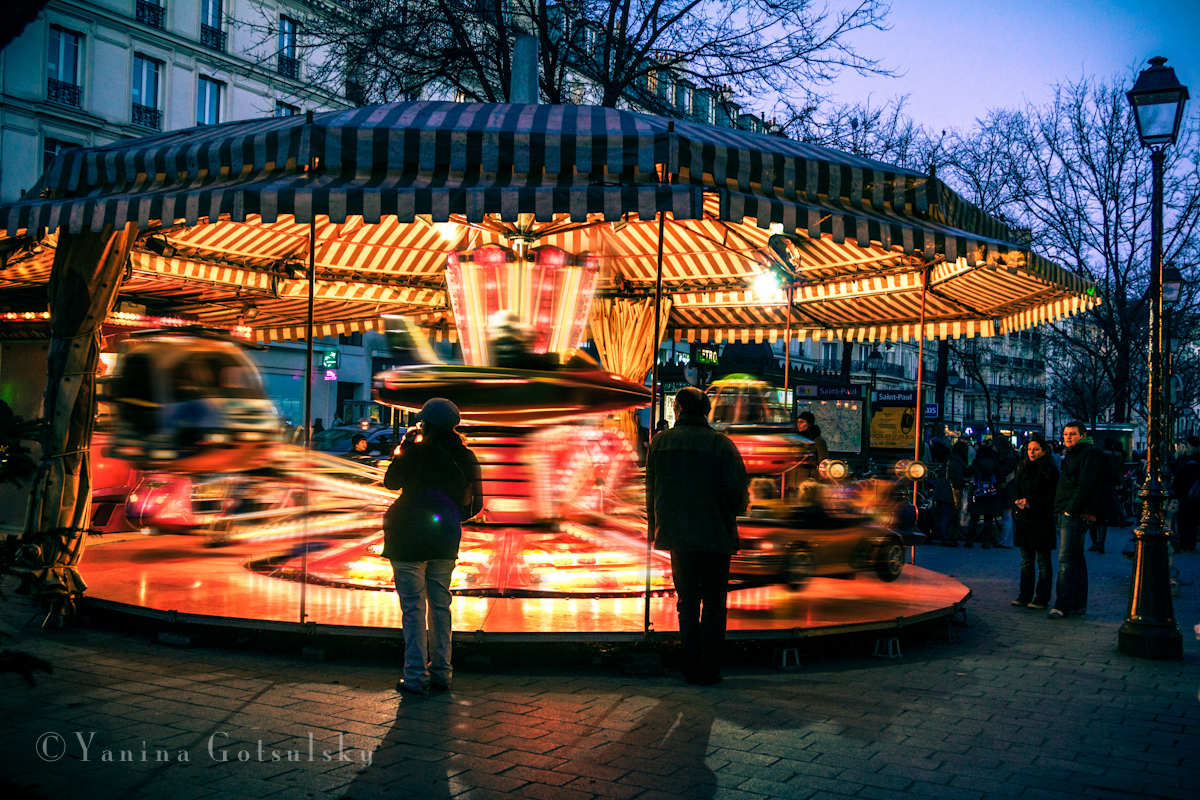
{"points": [[654, 386], [308, 381], [1150, 629], [920, 377], [787, 373]]}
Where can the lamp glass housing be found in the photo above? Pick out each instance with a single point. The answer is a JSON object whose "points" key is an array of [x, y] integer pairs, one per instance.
{"points": [[875, 361], [1172, 285], [1157, 100]]}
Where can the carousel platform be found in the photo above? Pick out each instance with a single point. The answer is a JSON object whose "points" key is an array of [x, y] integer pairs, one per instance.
{"points": [[179, 580]]}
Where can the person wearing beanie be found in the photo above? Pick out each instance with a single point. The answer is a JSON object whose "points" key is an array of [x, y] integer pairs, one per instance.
{"points": [[440, 485], [815, 452], [696, 488]]}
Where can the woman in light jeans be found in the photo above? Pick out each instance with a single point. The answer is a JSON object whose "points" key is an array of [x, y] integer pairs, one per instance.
{"points": [[440, 486]]}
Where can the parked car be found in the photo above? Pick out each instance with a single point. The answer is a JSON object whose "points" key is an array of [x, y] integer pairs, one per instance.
{"points": [[337, 441], [802, 545]]}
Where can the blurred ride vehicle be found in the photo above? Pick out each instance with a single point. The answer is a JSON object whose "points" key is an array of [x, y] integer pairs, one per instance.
{"points": [[189, 399], [791, 544]]}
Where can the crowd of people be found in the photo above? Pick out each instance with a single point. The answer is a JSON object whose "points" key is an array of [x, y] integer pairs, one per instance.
{"points": [[1045, 497]]}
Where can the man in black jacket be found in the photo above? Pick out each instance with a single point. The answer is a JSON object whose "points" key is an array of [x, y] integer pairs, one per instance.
{"points": [[695, 489], [1076, 505]]}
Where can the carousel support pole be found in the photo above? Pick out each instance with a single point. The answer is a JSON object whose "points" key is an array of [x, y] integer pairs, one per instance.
{"points": [[787, 374], [654, 384], [308, 381], [84, 281], [920, 395], [920, 374]]}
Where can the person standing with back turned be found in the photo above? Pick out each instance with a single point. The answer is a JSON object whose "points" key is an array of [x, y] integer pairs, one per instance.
{"points": [[1076, 504], [440, 485], [695, 489]]}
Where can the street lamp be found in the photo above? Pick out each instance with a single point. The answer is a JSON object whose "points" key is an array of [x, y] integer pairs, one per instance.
{"points": [[952, 379], [1150, 629], [874, 364]]}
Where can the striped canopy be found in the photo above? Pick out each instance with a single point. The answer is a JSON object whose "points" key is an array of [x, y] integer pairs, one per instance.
{"points": [[390, 190]]}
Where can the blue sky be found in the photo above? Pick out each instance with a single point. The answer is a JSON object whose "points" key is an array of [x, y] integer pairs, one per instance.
{"points": [[960, 58]]}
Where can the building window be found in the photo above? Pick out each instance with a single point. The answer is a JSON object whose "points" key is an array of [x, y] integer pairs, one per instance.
{"points": [[283, 109], [683, 99], [150, 12], [51, 150], [147, 112], [287, 63], [62, 82], [208, 101], [211, 17], [829, 351]]}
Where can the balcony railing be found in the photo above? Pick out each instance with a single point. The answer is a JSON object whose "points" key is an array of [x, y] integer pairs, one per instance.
{"points": [[151, 14], [69, 94], [288, 66], [859, 367], [147, 117], [212, 38]]}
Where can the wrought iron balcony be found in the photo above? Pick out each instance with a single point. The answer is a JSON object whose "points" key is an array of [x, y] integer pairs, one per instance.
{"points": [[151, 14], [288, 66], [212, 38], [69, 94], [147, 117]]}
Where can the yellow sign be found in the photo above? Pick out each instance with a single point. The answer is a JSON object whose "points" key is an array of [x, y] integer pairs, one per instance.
{"points": [[894, 426]]}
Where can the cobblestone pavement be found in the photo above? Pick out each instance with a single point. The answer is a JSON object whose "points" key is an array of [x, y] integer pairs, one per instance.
{"points": [[1016, 706]]}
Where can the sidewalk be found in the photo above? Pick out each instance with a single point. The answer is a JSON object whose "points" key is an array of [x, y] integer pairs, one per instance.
{"points": [[1016, 706]]}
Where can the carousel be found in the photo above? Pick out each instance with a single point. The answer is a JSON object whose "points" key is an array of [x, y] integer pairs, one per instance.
{"points": [[517, 253]]}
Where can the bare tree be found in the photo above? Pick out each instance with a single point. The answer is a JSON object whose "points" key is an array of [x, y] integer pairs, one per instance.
{"points": [[882, 132], [1074, 174], [605, 52]]}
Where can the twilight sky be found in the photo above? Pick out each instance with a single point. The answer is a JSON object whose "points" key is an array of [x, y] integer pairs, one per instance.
{"points": [[960, 58]]}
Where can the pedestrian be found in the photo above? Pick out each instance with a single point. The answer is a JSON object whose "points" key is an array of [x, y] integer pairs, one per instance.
{"points": [[695, 489], [1006, 470], [1033, 525], [985, 497], [1187, 491], [1076, 503], [441, 485], [318, 426], [815, 450], [948, 493], [1110, 512]]}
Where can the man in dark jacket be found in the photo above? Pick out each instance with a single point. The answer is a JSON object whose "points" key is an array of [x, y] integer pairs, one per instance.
{"points": [[1187, 491], [1076, 504], [695, 489], [440, 484]]}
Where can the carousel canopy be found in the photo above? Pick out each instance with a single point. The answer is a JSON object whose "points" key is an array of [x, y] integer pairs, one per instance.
{"points": [[386, 193]]}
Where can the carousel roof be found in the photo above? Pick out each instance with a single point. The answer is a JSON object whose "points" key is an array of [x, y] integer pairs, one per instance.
{"points": [[389, 191]]}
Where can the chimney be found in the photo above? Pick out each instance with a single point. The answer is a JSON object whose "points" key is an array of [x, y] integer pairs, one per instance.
{"points": [[524, 88]]}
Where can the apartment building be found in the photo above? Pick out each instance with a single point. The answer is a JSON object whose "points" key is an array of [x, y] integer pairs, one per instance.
{"points": [[90, 73]]}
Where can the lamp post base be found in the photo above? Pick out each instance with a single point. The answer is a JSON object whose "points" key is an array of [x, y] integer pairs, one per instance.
{"points": [[1158, 642], [1150, 629]]}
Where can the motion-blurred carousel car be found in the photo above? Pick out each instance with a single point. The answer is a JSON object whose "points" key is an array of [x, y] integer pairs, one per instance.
{"points": [[190, 400], [747, 411], [800, 544]]}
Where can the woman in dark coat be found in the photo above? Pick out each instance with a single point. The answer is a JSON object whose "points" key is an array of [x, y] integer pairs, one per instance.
{"points": [[441, 485], [1033, 524], [986, 498], [947, 493]]}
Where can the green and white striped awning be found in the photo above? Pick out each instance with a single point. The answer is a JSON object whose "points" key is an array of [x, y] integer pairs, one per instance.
{"points": [[391, 189]]}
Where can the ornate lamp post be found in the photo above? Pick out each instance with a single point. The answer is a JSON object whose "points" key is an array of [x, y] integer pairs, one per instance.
{"points": [[952, 379], [1150, 629]]}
